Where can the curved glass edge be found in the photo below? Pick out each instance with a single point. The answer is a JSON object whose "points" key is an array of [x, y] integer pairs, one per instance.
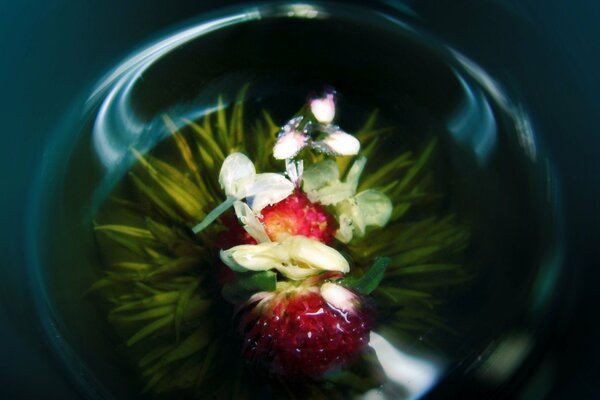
{"points": [[91, 387]]}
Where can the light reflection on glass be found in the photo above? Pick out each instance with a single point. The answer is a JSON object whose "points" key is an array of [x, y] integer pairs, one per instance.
{"points": [[475, 114], [525, 134], [117, 127], [506, 356], [483, 79], [307, 11], [473, 124], [413, 374]]}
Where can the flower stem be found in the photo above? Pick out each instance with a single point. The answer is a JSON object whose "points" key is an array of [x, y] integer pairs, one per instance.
{"points": [[214, 214]]}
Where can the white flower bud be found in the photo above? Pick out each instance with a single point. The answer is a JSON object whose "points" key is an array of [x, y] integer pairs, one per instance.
{"points": [[290, 140], [289, 144], [323, 108], [338, 296], [339, 143]]}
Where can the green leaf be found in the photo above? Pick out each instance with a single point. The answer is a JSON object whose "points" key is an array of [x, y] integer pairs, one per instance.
{"points": [[249, 283], [195, 342], [404, 296], [371, 279], [150, 329], [425, 269], [182, 304]]}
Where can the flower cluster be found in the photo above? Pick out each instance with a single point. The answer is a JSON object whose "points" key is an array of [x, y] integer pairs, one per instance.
{"points": [[291, 219], [300, 132], [304, 247]]}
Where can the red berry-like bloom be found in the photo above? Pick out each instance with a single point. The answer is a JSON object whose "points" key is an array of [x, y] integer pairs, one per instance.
{"points": [[297, 334], [234, 234], [294, 331], [297, 215]]}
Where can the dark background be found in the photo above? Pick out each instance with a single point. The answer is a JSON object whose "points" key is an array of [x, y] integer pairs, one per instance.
{"points": [[54, 51]]}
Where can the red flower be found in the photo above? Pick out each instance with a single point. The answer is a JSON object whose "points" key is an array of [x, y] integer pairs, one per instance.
{"points": [[297, 215], [297, 333]]}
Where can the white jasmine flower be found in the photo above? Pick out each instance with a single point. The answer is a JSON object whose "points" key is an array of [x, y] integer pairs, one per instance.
{"points": [[296, 257], [355, 211], [267, 189], [297, 134], [335, 142], [239, 180]]}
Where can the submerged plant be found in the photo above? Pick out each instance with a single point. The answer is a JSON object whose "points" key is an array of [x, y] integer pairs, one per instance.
{"points": [[277, 247]]}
